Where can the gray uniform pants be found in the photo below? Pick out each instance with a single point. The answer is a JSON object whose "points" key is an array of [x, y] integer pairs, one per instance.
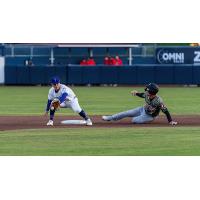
{"points": [[139, 115]]}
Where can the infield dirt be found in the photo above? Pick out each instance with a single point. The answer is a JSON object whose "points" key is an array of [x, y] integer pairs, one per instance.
{"points": [[39, 122]]}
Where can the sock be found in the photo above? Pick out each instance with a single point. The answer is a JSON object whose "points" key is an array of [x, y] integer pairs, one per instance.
{"points": [[52, 114], [83, 115]]}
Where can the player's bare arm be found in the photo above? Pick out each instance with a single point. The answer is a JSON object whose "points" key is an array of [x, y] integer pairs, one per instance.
{"points": [[134, 92]]}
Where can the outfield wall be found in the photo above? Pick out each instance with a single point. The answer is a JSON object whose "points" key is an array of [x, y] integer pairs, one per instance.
{"points": [[137, 74]]}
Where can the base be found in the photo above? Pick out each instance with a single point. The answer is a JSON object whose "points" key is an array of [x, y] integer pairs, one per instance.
{"points": [[76, 122]]}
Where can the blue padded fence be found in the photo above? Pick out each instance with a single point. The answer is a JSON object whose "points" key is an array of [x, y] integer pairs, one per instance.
{"points": [[137, 74]]}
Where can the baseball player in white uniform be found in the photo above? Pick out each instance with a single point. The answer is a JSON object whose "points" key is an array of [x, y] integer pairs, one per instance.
{"points": [[67, 99]]}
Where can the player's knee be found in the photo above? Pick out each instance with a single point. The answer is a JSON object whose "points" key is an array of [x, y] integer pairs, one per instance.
{"points": [[77, 110]]}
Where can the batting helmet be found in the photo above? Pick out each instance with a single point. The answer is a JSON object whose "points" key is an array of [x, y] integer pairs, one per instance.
{"points": [[152, 88], [55, 80]]}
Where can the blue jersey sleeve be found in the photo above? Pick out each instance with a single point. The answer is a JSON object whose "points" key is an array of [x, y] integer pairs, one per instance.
{"points": [[63, 97], [48, 105]]}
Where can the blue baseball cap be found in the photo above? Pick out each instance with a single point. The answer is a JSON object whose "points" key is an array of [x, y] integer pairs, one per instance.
{"points": [[55, 80]]}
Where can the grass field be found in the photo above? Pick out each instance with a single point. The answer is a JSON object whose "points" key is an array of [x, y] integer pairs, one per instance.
{"points": [[96, 100], [118, 141], [101, 141]]}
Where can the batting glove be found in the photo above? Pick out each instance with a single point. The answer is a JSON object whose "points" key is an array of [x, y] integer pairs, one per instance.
{"points": [[134, 92]]}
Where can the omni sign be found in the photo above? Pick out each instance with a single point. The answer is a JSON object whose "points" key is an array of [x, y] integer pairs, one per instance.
{"points": [[175, 57], [168, 57]]}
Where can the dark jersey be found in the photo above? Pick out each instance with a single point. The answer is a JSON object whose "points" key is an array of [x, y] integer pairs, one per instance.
{"points": [[154, 106]]}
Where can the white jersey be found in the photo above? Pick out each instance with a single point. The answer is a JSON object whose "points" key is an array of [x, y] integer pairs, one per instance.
{"points": [[63, 89]]}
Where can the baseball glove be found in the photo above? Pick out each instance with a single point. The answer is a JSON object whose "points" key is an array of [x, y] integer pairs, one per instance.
{"points": [[55, 104]]}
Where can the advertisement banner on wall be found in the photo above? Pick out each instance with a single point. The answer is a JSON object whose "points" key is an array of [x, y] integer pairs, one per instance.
{"points": [[2, 65], [170, 55]]}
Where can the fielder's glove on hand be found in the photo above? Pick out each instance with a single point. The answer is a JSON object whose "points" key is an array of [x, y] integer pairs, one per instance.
{"points": [[55, 104], [173, 123]]}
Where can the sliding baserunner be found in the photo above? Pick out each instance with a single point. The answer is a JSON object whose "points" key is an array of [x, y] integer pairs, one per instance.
{"points": [[147, 113]]}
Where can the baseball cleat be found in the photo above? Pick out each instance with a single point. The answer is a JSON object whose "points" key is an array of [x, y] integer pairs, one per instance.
{"points": [[50, 123], [88, 122], [107, 118]]}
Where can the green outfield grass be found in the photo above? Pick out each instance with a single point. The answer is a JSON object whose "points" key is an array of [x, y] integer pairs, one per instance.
{"points": [[100, 141], [96, 100], [115, 141]]}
